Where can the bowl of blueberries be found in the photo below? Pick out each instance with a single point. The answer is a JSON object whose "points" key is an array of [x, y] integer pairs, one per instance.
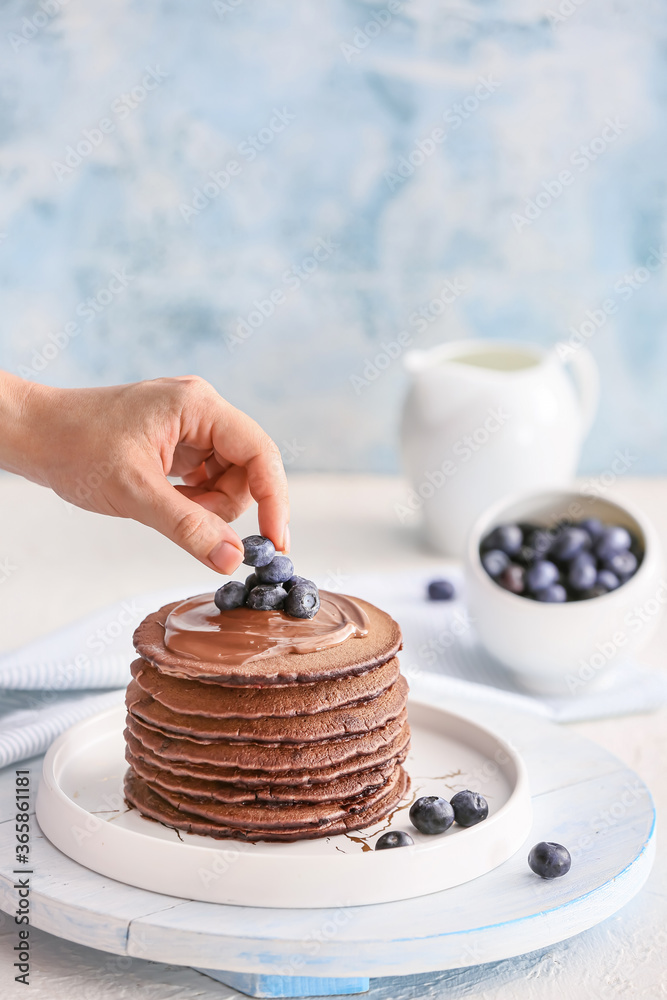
{"points": [[564, 588]]}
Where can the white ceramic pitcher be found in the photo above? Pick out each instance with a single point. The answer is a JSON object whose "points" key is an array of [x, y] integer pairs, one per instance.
{"points": [[485, 418]]}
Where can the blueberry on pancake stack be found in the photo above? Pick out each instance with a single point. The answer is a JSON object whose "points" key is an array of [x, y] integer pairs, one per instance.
{"points": [[254, 718]]}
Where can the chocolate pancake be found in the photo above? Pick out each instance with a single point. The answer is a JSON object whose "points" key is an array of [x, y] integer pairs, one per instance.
{"points": [[351, 720], [273, 757], [222, 791], [354, 656], [150, 803], [276, 816], [188, 697], [395, 749]]}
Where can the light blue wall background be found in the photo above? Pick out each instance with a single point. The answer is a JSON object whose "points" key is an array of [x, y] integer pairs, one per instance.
{"points": [[360, 102]]}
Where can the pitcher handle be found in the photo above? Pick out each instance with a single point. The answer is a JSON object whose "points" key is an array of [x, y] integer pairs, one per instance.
{"points": [[587, 380]]}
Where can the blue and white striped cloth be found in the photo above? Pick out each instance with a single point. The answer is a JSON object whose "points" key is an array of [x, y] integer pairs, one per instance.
{"points": [[84, 668], [77, 671]]}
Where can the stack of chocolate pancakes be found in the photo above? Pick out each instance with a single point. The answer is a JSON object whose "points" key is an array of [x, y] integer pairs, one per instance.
{"points": [[253, 725]]}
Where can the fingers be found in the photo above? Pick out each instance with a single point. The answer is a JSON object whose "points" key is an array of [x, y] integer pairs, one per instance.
{"points": [[227, 496], [238, 439], [199, 531]]}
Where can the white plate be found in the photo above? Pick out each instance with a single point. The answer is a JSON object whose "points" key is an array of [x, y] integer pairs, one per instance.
{"points": [[81, 810]]}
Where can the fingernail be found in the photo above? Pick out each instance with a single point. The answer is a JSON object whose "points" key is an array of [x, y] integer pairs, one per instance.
{"points": [[225, 557]]}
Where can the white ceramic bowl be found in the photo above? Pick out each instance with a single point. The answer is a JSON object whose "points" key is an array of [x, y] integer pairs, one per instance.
{"points": [[572, 648]]}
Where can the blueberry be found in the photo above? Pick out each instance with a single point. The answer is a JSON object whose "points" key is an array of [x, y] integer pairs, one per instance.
{"points": [[495, 562], [266, 597], [513, 579], [251, 581], [293, 580], [608, 580], [279, 570], [583, 573], [596, 591], [431, 814], [469, 807], [555, 593], [441, 590], [541, 575], [540, 540], [303, 600], [395, 838], [257, 550], [568, 543], [550, 860], [613, 541], [623, 565], [526, 556], [230, 595], [594, 527], [507, 537]]}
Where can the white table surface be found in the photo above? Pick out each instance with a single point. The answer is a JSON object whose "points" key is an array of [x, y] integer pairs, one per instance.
{"points": [[58, 563]]}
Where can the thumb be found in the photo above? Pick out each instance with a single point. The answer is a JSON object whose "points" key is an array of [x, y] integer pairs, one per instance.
{"points": [[199, 531]]}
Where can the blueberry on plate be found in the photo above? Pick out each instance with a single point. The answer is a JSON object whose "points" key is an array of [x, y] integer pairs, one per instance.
{"points": [[230, 595], [568, 543], [279, 570], [495, 562], [623, 565], [431, 814], [513, 579], [258, 550], [555, 593], [469, 807], [303, 600], [395, 838], [266, 597], [614, 540], [608, 580], [541, 575], [550, 860], [506, 537], [583, 572], [441, 590], [288, 584]]}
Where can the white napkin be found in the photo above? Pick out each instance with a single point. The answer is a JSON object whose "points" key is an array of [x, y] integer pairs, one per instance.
{"points": [[83, 668]]}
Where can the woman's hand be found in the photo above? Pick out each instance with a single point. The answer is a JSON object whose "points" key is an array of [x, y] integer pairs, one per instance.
{"points": [[111, 449]]}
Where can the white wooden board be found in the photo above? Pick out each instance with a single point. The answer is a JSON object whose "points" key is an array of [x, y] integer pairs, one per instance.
{"points": [[582, 797]]}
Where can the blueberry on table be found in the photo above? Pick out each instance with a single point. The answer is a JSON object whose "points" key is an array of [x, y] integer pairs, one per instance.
{"points": [[550, 860], [613, 541], [258, 550], [506, 537], [431, 814], [583, 572], [303, 600], [230, 595], [513, 579], [266, 597], [395, 838], [469, 807], [623, 565], [279, 570], [568, 543], [541, 575], [554, 594], [495, 562], [441, 590]]}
